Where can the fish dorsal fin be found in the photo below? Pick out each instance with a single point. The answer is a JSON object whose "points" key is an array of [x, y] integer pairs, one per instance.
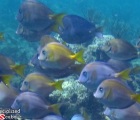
{"points": [[46, 39]]}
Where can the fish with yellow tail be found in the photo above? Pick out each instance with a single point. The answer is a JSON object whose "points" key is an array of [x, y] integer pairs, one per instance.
{"points": [[40, 84], [32, 106], [118, 49], [74, 29], [7, 66], [114, 94], [56, 55]]}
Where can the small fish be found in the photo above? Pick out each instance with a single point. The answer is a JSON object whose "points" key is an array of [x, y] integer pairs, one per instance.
{"points": [[40, 84], [131, 113], [1, 36], [118, 49], [53, 117], [55, 73], [56, 55], [7, 66], [32, 106], [34, 15], [115, 94], [75, 29], [94, 73]]}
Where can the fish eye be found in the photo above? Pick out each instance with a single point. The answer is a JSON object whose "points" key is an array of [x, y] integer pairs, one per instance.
{"points": [[44, 52], [85, 74], [101, 89], [26, 83]]}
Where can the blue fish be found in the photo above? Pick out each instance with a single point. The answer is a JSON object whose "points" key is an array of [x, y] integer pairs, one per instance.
{"points": [[32, 106], [94, 73], [76, 29]]}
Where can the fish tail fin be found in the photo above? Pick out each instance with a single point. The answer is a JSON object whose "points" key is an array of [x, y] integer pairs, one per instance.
{"points": [[58, 21], [57, 85], [19, 69], [6, 79], [135, 97], [55, 108], [124, 74], [78, 57]]}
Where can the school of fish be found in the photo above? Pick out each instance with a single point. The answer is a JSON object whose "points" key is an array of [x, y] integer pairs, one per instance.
{"points": [[107, 78]]}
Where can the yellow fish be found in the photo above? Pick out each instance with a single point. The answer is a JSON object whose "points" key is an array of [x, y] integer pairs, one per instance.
{"points": [[40, 84], [56, 55]]}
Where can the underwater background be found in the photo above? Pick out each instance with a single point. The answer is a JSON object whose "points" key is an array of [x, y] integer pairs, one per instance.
{"points": [[106, 13], [120, 19]]}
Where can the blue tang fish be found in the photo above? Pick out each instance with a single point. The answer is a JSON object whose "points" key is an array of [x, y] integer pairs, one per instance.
{"points": [[76, 29]]}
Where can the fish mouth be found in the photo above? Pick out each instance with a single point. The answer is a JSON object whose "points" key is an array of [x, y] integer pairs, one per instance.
{"points": [[97, 96], [87, 81]]}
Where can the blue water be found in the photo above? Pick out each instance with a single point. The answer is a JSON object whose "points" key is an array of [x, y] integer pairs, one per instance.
{"points": [[126, 11]]}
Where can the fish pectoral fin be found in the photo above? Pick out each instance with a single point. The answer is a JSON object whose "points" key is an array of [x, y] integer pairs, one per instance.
{"points": [[78, 57], [57, 85], [124, 74], [135, 97], [19, 69]]}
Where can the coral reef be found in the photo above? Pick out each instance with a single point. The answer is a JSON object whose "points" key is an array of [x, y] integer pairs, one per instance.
{"points": [[74, 97]]}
